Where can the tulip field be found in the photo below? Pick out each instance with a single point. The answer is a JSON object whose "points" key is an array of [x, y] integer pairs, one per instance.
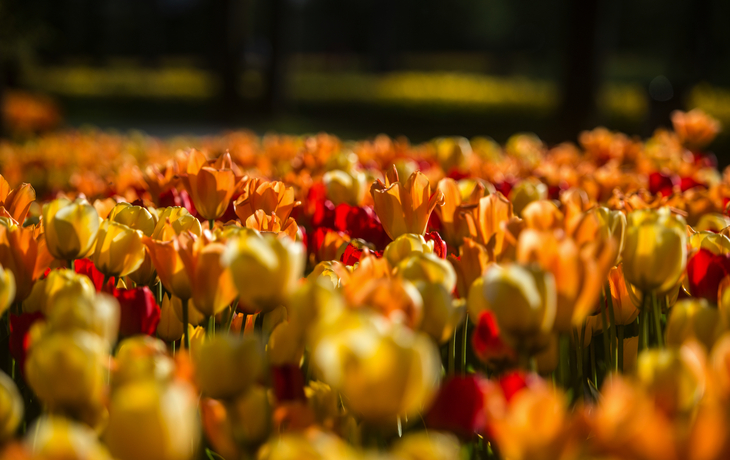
{"points": [[305, 297]]}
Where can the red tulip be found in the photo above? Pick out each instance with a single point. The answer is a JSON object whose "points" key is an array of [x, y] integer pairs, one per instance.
{"points": [[705, 271], [19, 327], [662, 184], [459, 407], [140, 313], [487, 341], [288, 383]]}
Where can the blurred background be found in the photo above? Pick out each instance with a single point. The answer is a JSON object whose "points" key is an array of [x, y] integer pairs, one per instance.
{"points": [[356, 68]]}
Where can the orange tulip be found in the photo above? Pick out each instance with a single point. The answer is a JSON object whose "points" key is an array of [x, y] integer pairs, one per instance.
{"points": [[485, 221], [24, 255], [453, 223], [695, 128], [404, 208], [471, 264], [211, 186], [166, 258], [15, 203], [262, 222], [267, 196]]}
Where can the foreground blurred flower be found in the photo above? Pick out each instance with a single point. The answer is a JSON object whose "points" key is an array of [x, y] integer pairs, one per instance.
{"points": [[24, 255], [694, 319], [55, 437], [705, 272], [70, 228], [11, 407], [119, 250], [488, 344], [151, 421], [265, 269], [142, 358], [7, 289], [695, 128], [226, 366], [16, 202], [63, 283], [404, 208], [675, 378], [140, 313], [211, 186], [655, 250], [459, 407]]}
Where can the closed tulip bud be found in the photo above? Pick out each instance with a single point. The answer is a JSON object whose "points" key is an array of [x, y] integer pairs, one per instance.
{"points": [[11, 407], [15, 203], [332, 272], [624, 309], [404, 245], [70, 228], [59, 284], [313, 444], [675, 378], [427, 267], [151, 421], [525, 193], [142, 358], [53, 437], [379, 375], [426, 446], [67, 371], [226, 366], [166, 258], [119, 249], [7, 289], [136, 217], [25, 255], [99, 315], [265, 269], [170, 328], [211, 186], [542, 215], [285, 345], [614, 223], [523, 300], [405, 207], [694, 319], [441, 316], [250, 416], [655, 250], [315, 302], [471, 264]]}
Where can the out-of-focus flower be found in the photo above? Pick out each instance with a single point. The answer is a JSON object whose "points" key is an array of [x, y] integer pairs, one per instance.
{"points": [[226, 366], [404, 208], [313, 444], [459, 407], [140, 313], [250, 416], [421, 266], [345, 186], [170, 328], [98, 314], [542, 215], [268, 197], [525, 193], [265, 269], [452, 221], [441, 314], [16, 202], [394, 298], [119, 250], [624, 309], [705, 272], [523, 300], [58, 284], [485, 221], [170, 268], [7, 289], [11, 407], [423, 445], [150, 421], [211, 186], [695, 128], [694, 319], [55, 437], [655, 250], [136, 217], [404, 245], [24, 255], [67, 370], [614, 222], [70, 228], [471, 264], [174, 220], [488, 344], [142, 358]]}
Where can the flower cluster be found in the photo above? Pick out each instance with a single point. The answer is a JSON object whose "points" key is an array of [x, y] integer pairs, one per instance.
{"points": [[304, 297]]}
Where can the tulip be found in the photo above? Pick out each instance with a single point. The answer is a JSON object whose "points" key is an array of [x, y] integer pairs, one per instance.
{"points": [[488, 344], [308, 444], [15, 203], [404, 245], [11, 407], [404, 208], [136, 217], [70, 228], [716, 243], [624, 308], [98, 314], [695, 128], [211, 186], [166, 259], [655, 250], [459, 407], [170, 328], [675, 378], [7, 289], [271, 223], [427, 267], [150, 421], [523, 300], [142, 358], [453, 223], [485, 221], [250, 416], [345, 186], [426, 445], [172, 221], [615, 224], [268, 197], [525, 193], [55, 437], [58, 284], [394, 298], [265, 269], [119, 249], [542, 215], [226, 366], [441, 314], [473, 260], [694, 319], [67, 370], [25, 256], [140, 312]]}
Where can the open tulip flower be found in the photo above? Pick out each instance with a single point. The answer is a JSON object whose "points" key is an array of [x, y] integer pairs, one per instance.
{"points": [[525, 301]]}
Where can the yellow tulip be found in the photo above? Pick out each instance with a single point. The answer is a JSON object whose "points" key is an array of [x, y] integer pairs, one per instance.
{"points": [[63, 283], [441, 315], [404, 245], [694, 319], [7, 289], [194, 315], [655, 250], [311, 444], [542, 215], [525, 193], [70, 228], [174, 220], [713, 222], [427, 267], [152, 421], [98, 314], [250, 416], [615, 224], [675, 378], [11, 407], [714, 242], [314, 301], [142, 358], [265, 269], [119, 250], [211, 186], [486, 220], [333, 272], [426, 445], [170, 328], [67, 371], [136, 217], [226, 366], [55, 437], [523, 299], [404, 207], [345, 186]]}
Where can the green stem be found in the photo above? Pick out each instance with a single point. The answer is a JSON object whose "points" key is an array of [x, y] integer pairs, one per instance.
{"points": [[621, 348], [106, 280], [173, 348], [643, 330], [464, 346], [613, 327], [243, 323], [159, 293], [579, 364], [657, 321], [606, 342], [186, 336], [452, 355], [71, 264], [593, 364], [211, 326], [211, 224], [564, 360]]}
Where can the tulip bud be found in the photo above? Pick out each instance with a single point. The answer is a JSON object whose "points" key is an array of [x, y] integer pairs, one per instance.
{"points": [[7, 289], [226, 366], [67, 371], [136, 217], [142, 358], [674, 377], [59, 284], [268, 196], [525, 193], [265, 269], [426, 445], [99, 315], [250, 416], [345, 186], [70, 228], [151, 421], [655, 250], [170, 328], [54, 437], [11, 407], [694, 319], [175, 220], [440, 315], [404, 245], [428, 267]]}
